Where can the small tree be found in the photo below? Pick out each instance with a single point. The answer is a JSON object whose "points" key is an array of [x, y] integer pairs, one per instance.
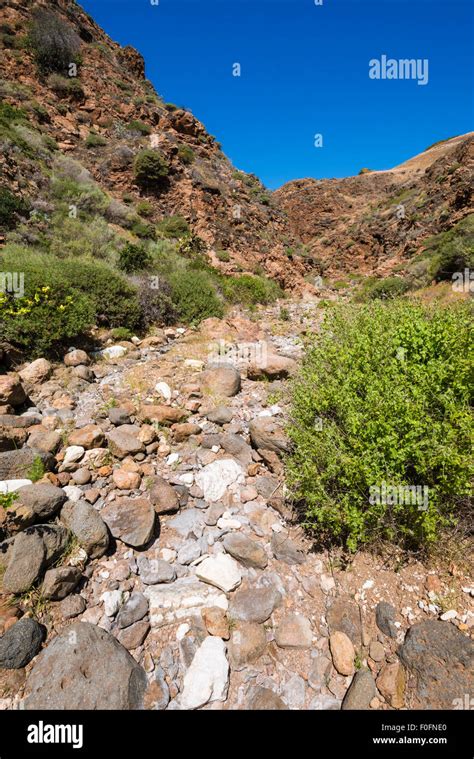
{"points": [[54, 42], [150, 168], [133, 258]]}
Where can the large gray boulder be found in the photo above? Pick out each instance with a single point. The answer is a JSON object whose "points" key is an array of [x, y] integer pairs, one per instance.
{"points": [[87, 525], [439, 661], [85, 668]]}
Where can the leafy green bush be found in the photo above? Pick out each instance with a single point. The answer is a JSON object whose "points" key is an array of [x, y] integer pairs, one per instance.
{"points": [[54, 42], [173, 226], [223, 255], [139, 126], [194, 296], [185, 154], [133, 258], [114, 299], [62, 299], [51, 309], [121, 333], [382, 289], [12, 207], [66, 87], [94, 140], [150, 168], [383, 399], [251, 290]]}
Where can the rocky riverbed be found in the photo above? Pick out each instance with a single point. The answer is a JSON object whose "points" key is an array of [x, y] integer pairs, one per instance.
{"points": [[151, 558]]}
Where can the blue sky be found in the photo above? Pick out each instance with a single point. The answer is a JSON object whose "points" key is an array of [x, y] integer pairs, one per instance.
{"points": [[305, 71]]}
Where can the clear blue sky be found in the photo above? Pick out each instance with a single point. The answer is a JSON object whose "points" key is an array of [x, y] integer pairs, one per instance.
{"points": [[304, 71]]}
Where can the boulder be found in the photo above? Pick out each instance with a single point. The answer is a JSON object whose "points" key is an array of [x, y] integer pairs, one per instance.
{"points": [[361, 691], [206, 680], [59, 582], [99, 672], [247, 551], [222, 380], [439, 661], [294, 631], [272, 367], [90, 436], [123, 441], [215, 478], [26, 561], [131, 520], [76, 358], [36, 372], [11, 390], [264, 699], [163, 496], [18, 464], [87, 525], [20, 644], [248, 641], [267, 434]]}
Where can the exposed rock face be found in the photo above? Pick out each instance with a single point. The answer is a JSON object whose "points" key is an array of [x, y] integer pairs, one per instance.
{"points": [[352, 224], [439, 660], [100, 673]]}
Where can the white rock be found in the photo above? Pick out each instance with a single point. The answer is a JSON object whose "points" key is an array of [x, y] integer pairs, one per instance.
{"points": [[164, 390], [135, 340], [10, 486], [228, 524], [215, 448], [180, 331], [187, 478], [112, 600], [368, 584], [73, 492], [215, 478], [277, 527], [194, 364], [72, 455], [182, 630], [167, 554], [181, 600], [207, 678], [327, 583], [115, 351], [451, 614], [221, 571], [173, 458]]}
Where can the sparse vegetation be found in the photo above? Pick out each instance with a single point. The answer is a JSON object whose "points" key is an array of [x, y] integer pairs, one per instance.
{"points": [[54, 42]]}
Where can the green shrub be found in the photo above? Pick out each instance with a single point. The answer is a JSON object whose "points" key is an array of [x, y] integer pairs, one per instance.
{"points": [[121, 333], [114, 299], [250, 290], [185, 154], [94, 140], [383, 397], [194, 296], [155, 299], [142, 229], [139, 126], [51, 309], [133, 258], [382, 289], [450, 251], [145, 208], [173, 227], [54, 42], [66, 87], [150, 168], [87, 238], [223, 255], [12, 207]]}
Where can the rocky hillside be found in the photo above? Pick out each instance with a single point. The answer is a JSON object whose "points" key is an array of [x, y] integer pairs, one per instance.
{"points": [[103, 117], [377, 222]]}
